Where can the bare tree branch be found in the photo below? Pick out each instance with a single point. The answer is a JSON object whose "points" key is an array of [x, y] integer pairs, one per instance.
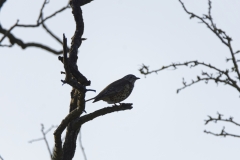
{"points": [[82, 2], [225, 39], [0, 155], [73, 114], [13, 40], [115, 108], [35, 140], [77, 106], [81, 145], [222, 76], [222, 134], [73, 121], [51, 33], [6, 34], [221, 119], [219, 77], [44, 133], [45, 27], [229, 77], [41, 10], [2, 2], [75, 79], [5, 45], [76, 125], [41, 20]]}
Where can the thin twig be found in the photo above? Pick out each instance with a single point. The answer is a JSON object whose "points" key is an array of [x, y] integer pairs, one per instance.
{"points": [[222, 134], [225, 39], [81, 145], [51, 33], [14, 40], [35, 140], [219, 118], [45, 139], [41, 10], [45, 19], [222, 76], [5, 45], [44, 133]]}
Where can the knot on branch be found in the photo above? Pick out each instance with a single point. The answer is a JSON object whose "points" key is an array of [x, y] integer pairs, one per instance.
{"points": [[144, 69]]}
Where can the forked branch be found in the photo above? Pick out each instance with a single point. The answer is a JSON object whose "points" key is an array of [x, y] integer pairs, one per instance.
{"points": [[218, 75], [220, 118], [40, 21]]}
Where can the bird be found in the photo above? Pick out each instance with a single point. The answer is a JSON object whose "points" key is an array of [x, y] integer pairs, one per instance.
{"points": [[117, 91]]}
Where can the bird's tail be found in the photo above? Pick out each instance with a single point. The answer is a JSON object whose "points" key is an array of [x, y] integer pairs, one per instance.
{"points": [[90, 99]]}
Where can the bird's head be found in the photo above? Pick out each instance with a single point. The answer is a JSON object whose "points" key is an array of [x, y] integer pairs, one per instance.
{"points": [[131, 78]]}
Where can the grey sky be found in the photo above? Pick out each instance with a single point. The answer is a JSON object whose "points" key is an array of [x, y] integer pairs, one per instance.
{"points": [[121, 36]]}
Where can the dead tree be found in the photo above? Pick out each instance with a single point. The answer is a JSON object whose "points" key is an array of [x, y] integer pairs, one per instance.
{"points": [[229, 77], [73, 77], [72, 123]]}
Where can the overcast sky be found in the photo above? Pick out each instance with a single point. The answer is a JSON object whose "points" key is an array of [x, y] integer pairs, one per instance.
{"points": [[121, 35]]}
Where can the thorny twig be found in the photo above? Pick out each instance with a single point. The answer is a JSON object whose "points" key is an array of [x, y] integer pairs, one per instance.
{"points": [[225, 39], [222, 134], [219, 118], [220, 76]]}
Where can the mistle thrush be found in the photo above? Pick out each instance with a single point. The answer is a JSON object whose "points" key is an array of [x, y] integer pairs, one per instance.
{"points": [[117, 91]]}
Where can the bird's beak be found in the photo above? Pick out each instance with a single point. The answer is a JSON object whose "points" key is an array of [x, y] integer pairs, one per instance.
{"points": [[137, 78]]}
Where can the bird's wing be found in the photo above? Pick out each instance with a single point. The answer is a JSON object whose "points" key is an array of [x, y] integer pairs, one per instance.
{"points": [[112, 88]]}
